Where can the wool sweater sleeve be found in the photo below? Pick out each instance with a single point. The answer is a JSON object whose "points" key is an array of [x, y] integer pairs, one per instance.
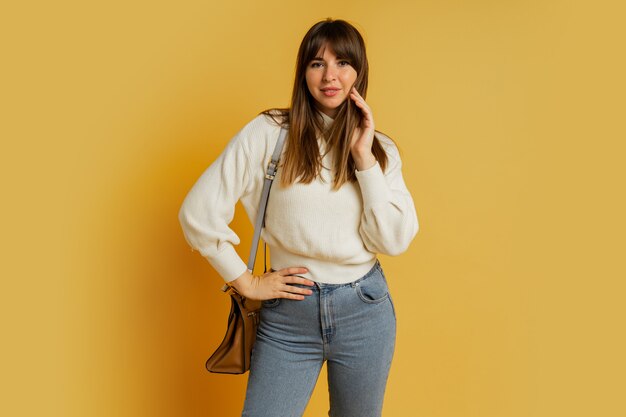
{"points": [[389, 221], [209, 208]]}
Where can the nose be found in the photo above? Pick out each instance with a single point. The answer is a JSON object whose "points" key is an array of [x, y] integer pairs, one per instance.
{"points": [[329, 74]]}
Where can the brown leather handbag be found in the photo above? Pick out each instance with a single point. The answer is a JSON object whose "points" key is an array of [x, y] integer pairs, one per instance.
{"points": [[233, 354]]}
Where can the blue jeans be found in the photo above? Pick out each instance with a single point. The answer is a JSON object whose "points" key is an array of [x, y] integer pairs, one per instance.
{"points": [[352, 326]]}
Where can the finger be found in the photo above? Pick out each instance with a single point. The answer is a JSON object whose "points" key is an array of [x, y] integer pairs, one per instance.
{"points": [[290, 296], [293, 270], [361, 103], [296, 290], [357, 98], [357, 101], [298, 280]]}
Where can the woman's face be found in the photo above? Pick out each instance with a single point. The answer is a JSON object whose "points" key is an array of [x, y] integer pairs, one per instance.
{"points": [[329, 80]]}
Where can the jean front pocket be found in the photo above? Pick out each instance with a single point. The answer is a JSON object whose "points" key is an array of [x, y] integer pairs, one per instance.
{"points": [[373, 289], [271, 303]]}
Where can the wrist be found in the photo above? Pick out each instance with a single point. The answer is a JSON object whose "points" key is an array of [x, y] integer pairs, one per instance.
{"points": [[242, 282], [364, 162]]}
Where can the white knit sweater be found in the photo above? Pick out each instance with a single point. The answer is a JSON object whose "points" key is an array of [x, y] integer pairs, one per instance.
{"points": [[335, 234]]}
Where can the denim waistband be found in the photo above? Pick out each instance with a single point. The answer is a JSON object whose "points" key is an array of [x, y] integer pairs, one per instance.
{"points": [[374, 269]]}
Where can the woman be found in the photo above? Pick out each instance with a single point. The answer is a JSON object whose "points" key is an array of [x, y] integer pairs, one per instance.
{"points": [[337, 200]]}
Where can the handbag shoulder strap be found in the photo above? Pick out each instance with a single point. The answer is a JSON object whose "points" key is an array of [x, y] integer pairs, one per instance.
{"points": [[272, 167]]}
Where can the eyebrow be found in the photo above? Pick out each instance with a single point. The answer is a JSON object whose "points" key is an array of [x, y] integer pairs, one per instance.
{"points": [[339, 58]]}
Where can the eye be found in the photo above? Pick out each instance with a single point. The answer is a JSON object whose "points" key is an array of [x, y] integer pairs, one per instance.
{"points": [[344, 61]]}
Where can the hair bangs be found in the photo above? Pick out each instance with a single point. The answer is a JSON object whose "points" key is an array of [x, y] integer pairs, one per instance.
{"points": [[344, 43]]}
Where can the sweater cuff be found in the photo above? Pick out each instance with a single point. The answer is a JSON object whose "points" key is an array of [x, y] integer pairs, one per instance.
{"points": [[374, 187], [228, 264]]}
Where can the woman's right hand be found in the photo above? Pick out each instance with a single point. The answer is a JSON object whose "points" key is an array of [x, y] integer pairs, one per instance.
{"points": [[273, 284]]}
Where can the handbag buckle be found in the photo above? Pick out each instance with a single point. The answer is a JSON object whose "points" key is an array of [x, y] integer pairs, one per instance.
{"points": [[254, 315], [271, 169]]}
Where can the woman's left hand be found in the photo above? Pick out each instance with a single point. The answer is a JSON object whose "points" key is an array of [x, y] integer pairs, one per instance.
{"points": [[363, 137]]}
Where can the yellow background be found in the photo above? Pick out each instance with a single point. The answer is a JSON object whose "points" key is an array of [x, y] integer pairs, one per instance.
{"points": [[510, 119]]}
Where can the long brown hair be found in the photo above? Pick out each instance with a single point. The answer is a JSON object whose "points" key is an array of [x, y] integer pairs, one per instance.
{"points": [[302, 155]]}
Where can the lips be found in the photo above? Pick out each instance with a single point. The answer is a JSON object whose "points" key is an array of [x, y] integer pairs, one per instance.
{"points": [[330, 92]]}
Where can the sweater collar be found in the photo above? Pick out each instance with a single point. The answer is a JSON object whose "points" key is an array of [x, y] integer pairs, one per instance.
{"points": [[326, 119]]}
